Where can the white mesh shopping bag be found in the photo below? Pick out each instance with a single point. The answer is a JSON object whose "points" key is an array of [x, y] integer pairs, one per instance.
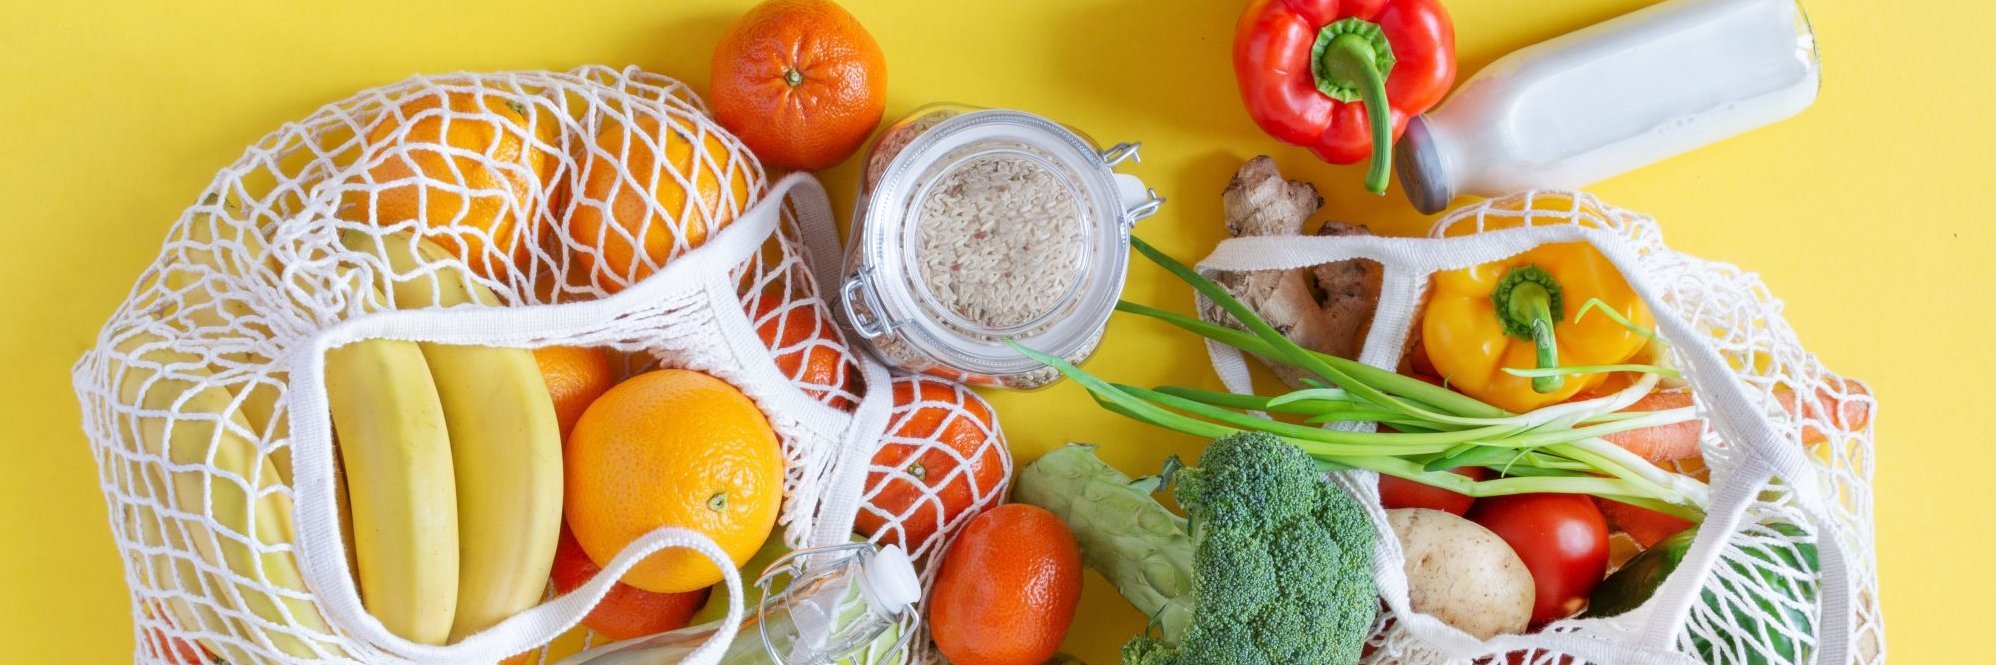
{"points": [[1731, 599], [204, 398]]}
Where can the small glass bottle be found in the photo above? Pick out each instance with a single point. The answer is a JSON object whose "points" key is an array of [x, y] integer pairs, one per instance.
{"points": [[841, 604], [1612, 97]]}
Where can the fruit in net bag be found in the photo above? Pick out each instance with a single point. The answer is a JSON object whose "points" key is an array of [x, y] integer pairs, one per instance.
{"points": [[475, 166], [626, 611], [651, 191], [504, 435], [943, 458], [673, 447], [807, 347], [575, 377]]}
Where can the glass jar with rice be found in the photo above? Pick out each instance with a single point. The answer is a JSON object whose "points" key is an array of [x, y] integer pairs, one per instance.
{"points": [[978, 226]]}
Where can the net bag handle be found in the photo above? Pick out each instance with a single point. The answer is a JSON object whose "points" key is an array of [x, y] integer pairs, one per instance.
{"points": [[1736, 417]]}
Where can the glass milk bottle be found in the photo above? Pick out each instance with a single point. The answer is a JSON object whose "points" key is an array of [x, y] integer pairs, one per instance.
{"points": [[1611, 97]]}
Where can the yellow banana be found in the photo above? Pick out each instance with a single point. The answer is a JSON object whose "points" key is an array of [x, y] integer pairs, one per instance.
{"points": [[217, 245], [505, 442], [228, 481], [402, 497]]}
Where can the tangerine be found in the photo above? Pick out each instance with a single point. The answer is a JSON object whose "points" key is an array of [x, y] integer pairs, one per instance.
{"points": [[639, 208], [627, 611], [575, 376], [474, 166], [1007, 589], [800, 81]]}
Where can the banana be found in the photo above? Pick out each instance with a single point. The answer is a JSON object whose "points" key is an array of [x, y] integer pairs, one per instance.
{"points": [[504, 440], [229, 316], [402, 496], [240, 495]]}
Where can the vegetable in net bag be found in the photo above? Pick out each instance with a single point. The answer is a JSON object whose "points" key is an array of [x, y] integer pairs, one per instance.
{"points": [[600, 208], [1782, 571]]}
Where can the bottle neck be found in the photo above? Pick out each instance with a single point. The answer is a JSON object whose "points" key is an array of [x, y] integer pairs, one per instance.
{"points": [[1421, 159]]}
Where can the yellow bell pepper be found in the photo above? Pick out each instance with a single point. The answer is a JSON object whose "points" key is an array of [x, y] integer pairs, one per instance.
{"points": [[1520, 313]]}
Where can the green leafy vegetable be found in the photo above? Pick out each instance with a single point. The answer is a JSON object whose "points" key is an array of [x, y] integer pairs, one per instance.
{"points": [[1270, 564]]}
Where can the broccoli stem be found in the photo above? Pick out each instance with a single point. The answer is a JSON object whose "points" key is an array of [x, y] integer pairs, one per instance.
{"points": [[1143, 548]]}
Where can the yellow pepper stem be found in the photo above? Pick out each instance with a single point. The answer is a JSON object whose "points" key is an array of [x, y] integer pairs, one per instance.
{"points": [[1527, 300]]}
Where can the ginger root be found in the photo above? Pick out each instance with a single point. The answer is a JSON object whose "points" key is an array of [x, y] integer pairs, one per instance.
{"points": [[1326, 308]]}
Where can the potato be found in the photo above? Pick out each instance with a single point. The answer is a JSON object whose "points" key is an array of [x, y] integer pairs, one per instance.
{"points": [[1462, 574]]}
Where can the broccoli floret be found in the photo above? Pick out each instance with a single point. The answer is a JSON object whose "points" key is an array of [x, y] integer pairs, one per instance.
{"points": [[1270, 564]]}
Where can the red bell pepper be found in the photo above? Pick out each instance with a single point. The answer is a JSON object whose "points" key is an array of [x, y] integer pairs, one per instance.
{"points": [[1319, 73]]}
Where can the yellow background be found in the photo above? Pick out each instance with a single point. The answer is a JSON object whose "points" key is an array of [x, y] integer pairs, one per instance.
{"points": [[1869, 213]]}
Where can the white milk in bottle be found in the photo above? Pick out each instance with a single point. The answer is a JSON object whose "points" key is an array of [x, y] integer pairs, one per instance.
{"points": [[1612, 97]]}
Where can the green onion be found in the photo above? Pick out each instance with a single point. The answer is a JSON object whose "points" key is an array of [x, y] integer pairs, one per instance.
{"points": [[1555, 449]]}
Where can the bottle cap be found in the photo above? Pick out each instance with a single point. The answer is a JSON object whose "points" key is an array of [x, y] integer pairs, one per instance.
{"points": [[1419, 165], [890, 580]]}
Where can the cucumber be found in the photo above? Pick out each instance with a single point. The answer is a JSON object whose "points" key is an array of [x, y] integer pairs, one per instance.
{"points": [[1633, 584]]}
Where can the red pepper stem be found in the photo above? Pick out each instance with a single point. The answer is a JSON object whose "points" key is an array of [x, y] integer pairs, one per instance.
{"points": [[1353, 56]]}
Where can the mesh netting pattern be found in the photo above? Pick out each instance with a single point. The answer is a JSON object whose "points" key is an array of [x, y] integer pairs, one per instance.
{"points": [[603, 207], [1784, 440], [942, 462]]}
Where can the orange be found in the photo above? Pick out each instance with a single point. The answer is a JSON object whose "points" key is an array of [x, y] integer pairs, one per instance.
{"points": [[1007, 589], [673, 447], [800, 81], [575, 376], [806, 346], [473, 166], [944, 456], [638, 210], [627, 611]]}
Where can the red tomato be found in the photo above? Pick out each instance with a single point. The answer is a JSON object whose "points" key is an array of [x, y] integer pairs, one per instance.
{"points": [[1562, 539], [627, 611], [1402, 493]]}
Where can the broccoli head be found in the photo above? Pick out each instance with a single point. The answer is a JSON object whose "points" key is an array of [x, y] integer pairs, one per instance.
{"points": [[1270, 565]]}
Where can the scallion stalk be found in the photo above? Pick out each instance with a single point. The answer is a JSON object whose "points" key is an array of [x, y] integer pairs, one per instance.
{"points": [[1554, 449]]}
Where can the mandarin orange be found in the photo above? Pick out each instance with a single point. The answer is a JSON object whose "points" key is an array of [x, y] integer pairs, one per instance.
{"points": [[477, 167], [575, 376], [638, 208]]}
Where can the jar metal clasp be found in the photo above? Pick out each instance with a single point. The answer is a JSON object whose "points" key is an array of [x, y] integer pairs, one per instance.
{"points": [[1138, 200], [862, 305]]}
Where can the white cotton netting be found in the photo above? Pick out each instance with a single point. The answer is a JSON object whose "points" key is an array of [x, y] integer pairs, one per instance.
{"points": [[603, 207], [1771, 456], [942, 461]]}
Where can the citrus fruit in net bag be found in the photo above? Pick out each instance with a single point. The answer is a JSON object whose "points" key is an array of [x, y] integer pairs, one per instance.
{"points": [[626, 611], [800, 81], [806, 346], [944, 456], [475, 166], [1007, 589], [652, 190], [575, 377], [673, 447]]}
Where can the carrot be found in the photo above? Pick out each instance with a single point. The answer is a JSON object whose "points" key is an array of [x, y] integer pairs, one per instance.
{"points": [[1678, 441], [1642, 524]]}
